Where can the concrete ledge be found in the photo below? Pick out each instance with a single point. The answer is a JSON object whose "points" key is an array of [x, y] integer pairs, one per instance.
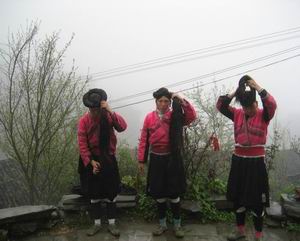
{"points": [[25, 213], [76, 202]]}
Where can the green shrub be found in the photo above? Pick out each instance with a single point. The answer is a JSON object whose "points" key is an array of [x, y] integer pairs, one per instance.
{"points": [[293, 227]]}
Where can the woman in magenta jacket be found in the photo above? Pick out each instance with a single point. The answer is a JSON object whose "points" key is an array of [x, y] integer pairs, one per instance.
{"points": [[162, 133], [98, 168], [248, 186]]}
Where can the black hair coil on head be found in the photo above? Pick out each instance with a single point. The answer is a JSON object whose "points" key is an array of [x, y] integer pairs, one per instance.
{"points": [[93, 98], [243, 81], [245, 97], [162, 92]]}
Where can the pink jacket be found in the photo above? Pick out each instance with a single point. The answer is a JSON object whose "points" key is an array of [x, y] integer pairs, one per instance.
{"points": [[159, 130], [249, 134], [88, 135]]}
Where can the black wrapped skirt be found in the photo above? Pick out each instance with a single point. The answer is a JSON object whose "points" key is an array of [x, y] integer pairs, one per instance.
{"points": [[105, 184], [166, 178], [248, 183]]}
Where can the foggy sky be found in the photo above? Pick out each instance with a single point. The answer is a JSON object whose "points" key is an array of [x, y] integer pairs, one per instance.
{"points": [[110, 34]]}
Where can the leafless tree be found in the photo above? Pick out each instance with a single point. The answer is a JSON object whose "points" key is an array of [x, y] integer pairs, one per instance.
{"points": [[295, 144], [38, 111], [201, 160]]}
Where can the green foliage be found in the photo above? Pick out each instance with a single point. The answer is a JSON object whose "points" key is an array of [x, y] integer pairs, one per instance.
{"points": [[146, 207], [205, 168], [126, 160], [272, 150], [289, 189], [201, 190], [293, 227], [129, 181], [210, 213], [216, 186]]}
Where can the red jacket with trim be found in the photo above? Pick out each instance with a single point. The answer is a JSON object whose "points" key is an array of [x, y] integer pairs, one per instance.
{"points": [[159, 130], [251, 131], [89, 131]]}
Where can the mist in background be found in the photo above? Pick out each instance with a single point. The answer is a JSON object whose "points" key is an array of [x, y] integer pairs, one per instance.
{"points": [[113, 34]]}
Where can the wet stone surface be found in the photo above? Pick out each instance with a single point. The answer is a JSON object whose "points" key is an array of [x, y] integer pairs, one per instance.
{"points": [[140, 230]]}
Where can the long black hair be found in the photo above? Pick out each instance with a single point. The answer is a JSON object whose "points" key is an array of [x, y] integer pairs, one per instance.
{"points": [[104, 136], [176, 166], [245, 97], [176, 122], [176, 128]]}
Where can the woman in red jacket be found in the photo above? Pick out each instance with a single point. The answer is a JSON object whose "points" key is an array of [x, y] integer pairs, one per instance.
{"points": [[98, 168], [248, 186], [162, 132]]}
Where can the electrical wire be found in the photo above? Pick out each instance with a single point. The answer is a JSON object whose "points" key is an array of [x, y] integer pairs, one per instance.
{"points": [[211, 74], [215, 81], [166, 60]]}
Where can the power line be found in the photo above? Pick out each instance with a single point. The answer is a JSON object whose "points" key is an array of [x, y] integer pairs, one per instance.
{"points": [[215, 81], [249, 70], [279, 33], [211, 74], [142, 65], [183, 60]]}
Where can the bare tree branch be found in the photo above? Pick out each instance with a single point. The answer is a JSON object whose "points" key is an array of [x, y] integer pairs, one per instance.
{"points": [[39, 103]]}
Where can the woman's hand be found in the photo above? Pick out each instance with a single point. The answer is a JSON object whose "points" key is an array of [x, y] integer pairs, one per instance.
{"points": [[96, 166], [232, 94], [105, 105], [141, 168], [252, 84], [178, 97]]}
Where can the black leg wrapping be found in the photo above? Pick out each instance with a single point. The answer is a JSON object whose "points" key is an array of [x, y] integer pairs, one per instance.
{"points": [[240, 217], [175, 207], [111, 210], [95, 210], [258, 218], [162, 208]]}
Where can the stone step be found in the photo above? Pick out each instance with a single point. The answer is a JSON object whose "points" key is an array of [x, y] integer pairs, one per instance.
{"points": [[275, 212], [77, 202], [25, 213], [290, 205]]}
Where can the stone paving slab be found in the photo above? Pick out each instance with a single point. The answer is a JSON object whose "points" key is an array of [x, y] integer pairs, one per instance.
{"points": [[140, 230], [205, 230]]}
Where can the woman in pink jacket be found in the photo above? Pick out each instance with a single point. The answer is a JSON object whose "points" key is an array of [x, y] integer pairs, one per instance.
{"points": [[162, 134], [248, 186], [98, 167]]}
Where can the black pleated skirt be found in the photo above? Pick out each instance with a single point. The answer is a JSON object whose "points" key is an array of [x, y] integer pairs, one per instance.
{"points": [[105, 184], [166, 178], [248, 183]]}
